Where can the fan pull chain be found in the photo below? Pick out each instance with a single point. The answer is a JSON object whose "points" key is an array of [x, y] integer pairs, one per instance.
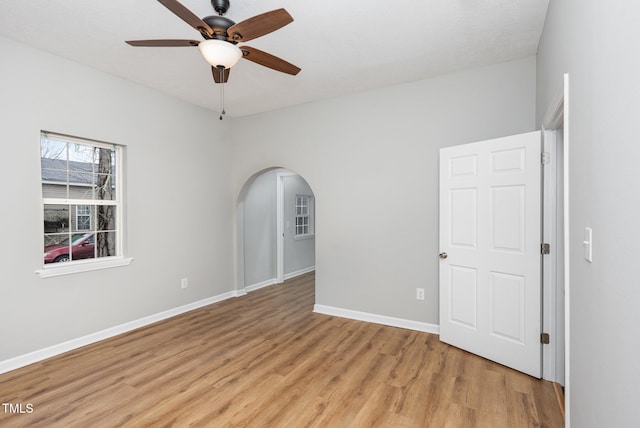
{"points": [[222, 112]]}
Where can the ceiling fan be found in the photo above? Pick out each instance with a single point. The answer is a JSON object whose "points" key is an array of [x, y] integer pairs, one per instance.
{"points": [[222, 35]]}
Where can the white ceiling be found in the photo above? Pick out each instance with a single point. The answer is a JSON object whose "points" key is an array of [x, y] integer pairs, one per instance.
{"points": [[341, 46]]}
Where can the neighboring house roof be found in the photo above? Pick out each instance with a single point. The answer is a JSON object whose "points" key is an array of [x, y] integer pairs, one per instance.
{"points": [[79, 173]]}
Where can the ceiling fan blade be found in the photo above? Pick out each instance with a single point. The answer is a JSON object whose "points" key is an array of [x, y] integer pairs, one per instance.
{"points": [[259, 25], [218, 76], [163, 43], [187, 16], [268, 60]]}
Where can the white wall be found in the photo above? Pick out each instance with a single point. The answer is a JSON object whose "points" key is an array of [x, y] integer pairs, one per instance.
{"points": [[372, 161], [178, 189], [260, 229], [596, 42]]}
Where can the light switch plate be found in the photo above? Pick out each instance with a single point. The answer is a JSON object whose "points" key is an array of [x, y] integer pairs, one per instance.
{"points": [[588, 244]]}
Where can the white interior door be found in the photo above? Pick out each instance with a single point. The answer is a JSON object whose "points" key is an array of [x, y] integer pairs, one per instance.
{"points": [[490, 234]]}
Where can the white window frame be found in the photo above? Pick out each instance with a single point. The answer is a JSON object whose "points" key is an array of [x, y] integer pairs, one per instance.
{"points": [[57, 269], [304, 201]]}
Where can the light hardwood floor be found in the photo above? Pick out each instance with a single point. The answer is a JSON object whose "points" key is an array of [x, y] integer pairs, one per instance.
{"points": [[266, 360]]}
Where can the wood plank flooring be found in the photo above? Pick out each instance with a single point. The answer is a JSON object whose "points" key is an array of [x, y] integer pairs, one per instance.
{"points": [[266, 360]]}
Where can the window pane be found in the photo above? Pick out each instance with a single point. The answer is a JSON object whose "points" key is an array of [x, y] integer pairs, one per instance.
{"points": [[106, 161], [105, 187], [105, 244], [54, 168], [83, 246], [55, 239], [56, 219], [53, 149], [85, 215], [57, 248], [64, 247], [81, 185], [81, 178], [106, 216], [82, 157]]}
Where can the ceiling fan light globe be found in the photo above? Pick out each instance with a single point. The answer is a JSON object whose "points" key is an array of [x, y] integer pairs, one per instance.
{"points": [[220, 53]]}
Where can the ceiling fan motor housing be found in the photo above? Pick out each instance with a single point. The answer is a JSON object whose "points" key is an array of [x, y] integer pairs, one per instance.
{"points": [[220, 25], [220, 6]]}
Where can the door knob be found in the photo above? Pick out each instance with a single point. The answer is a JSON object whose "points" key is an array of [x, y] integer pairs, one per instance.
{"points": [[443, 255]]}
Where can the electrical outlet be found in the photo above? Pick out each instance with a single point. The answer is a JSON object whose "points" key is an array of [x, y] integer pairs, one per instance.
{"points": [[185, 282], [420, 293]]}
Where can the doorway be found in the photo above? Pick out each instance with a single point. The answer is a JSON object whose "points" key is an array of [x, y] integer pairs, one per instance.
{"points": [[556, 287], [553, 292], [275, 229], [555, 271]]}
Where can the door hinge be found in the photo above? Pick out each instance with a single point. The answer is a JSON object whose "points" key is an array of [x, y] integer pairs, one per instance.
{"points": [[544, 338], [545, 158], [545, 248]]}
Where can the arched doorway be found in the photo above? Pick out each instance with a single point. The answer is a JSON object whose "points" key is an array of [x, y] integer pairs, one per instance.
{"points": [[275, 229]]}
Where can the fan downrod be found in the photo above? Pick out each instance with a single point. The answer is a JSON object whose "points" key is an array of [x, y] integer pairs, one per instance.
{"points": [[220, 6]]}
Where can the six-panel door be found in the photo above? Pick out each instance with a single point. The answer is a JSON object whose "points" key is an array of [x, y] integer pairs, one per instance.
{"points": [[490, 229]]}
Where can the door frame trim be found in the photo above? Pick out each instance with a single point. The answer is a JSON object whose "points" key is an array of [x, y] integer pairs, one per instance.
{"points": [[280, 224], [552, 311], [556, 117]]}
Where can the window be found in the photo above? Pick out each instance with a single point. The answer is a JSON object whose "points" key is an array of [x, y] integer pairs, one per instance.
{"points": [[83, 217], [304, 224], [81, 199]]}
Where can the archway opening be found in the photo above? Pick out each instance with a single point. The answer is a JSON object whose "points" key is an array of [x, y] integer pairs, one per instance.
{"points": [[275, 229]]}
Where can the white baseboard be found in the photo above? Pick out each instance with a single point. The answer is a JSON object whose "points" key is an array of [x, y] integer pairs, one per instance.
{"points": [[51, 351], [274, 281], [259, 285], [299, 272], [377, 319]]}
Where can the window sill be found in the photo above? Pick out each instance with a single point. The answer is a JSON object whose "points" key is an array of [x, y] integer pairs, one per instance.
{"points": [[82, 266], [301, 237]]}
